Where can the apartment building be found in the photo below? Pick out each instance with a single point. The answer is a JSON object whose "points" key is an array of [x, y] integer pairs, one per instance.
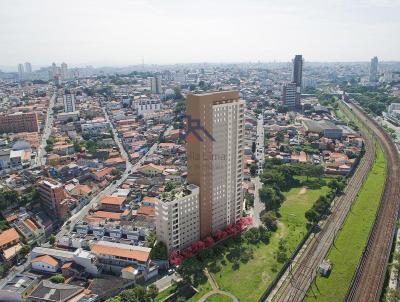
{"points": [[19, 122], [147, 105], [155, 83], [69, 102], [53, 197], [215, 157], [290, 96], [178, 217]]}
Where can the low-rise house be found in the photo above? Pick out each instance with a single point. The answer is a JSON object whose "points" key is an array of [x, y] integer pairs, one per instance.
{"points": [[102, 174], [116, 162], [116, 256], [9, 244], [81, 257], [47, 291], [151, 169], [112, 203], [45, 264], [18, 287]]}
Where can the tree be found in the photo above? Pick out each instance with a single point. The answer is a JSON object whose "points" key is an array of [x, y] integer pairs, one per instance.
{"points": [[281, 254], [150, 239], [252, 236], [191, 271], [337, 185], [152, 291], [169, 186], [270, 221], [249, 200], [52, 239], [136, 294], [253, 169], [273, 178], [392, 295], [159, 251], [279, 137], [265, 235], [253, 147], [205, 255], [177, 94], [77, 146], [25, 250], [271, 198], [312, 216], [2, 270], [57, 279]]}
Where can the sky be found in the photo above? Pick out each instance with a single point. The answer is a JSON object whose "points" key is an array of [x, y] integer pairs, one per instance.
{"points": [[125, 32]]}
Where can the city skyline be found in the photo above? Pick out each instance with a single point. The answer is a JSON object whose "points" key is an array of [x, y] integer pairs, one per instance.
{"points": [[225, 31]]}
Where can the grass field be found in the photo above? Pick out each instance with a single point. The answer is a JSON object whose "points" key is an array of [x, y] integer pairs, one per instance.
{"points": [[165, 293], [219, 298], [351, 240], [250, 280], [203, 289]]}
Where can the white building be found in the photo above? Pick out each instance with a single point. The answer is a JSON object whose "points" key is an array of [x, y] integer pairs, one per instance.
{"points": [[69, 102], [178, 218], [64, 71], [20, 72], [28, 70], [394, 112], [147, 105], [46, 264], [95, 128], [180, 78], [81, 257]]}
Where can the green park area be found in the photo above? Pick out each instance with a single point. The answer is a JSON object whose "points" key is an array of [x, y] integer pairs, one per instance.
{"points": [[259, 271], [350, 241], [219, 298]]}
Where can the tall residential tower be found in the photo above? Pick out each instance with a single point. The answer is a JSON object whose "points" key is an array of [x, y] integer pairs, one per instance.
{"points": [[215, 140], [291, 92], [297, 76], [373, 70]]}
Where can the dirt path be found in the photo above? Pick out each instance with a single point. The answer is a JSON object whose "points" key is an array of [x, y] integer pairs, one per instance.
{"points": [[215, 289], [303, 190]]}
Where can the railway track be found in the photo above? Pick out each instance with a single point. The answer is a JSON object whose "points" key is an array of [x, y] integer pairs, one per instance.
{"points": [[303, 272], [367, 282]]}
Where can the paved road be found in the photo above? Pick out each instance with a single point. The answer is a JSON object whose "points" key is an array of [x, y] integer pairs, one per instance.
{"points": [[40, 158], [166, 281], [260, 156], [111, 187]]}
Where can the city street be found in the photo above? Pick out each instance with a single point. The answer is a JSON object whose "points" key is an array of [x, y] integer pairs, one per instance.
{"points": [[260, 156], [111, 187], [40, 158]]}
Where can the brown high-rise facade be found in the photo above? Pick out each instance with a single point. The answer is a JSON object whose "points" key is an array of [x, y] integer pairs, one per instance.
{"points": [[215, 140], [53, 198], [19, 122]]}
